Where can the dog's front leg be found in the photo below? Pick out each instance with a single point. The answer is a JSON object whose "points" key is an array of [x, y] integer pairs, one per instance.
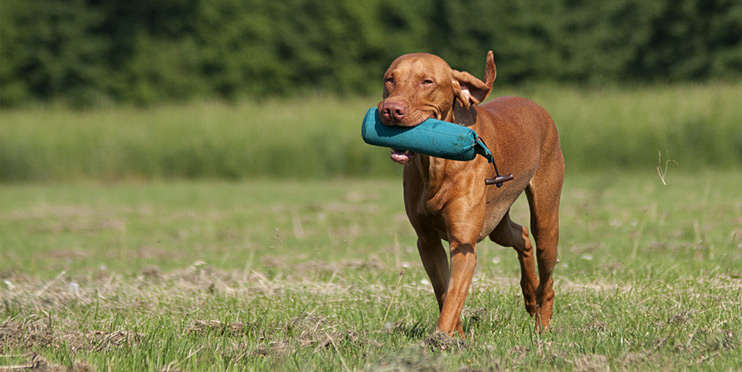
{"points": [[435, 262], [463, 262], [463, 235]]}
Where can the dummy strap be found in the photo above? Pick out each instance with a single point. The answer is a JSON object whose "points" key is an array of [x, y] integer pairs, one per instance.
{"points": [[483, 150]]}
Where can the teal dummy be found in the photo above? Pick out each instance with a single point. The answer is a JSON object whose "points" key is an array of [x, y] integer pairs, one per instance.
{"points": [[431, 137]]}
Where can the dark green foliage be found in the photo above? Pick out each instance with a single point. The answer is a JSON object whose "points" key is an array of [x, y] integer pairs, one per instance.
{"points": [[82, 51], [693, 40], [50, 49]]}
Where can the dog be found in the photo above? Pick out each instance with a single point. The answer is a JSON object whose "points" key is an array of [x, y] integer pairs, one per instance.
{"points": [[449, 200]]}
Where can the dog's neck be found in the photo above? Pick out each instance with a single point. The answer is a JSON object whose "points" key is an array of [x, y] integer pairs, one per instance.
{"points": [[463, 116], [433, 170]]}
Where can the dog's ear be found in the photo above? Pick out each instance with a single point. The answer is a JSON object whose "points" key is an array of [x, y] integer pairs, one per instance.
{"points": [[470, 90]]}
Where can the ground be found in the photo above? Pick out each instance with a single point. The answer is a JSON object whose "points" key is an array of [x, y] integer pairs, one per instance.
{"points": [[323, 275]]}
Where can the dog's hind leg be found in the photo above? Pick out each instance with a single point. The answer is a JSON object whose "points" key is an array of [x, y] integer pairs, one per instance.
{"points": [[510, 234], [543, 195]]}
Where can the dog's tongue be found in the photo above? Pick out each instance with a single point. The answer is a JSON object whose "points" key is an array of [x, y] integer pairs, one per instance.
{"points": [[402, 156]]}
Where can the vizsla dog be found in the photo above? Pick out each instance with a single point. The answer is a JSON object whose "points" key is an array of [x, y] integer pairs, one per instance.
{"points": [[448, 199]]}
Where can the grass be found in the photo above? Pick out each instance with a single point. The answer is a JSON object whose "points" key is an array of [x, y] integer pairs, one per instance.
{"points": [[305, 275], [601, 128]]}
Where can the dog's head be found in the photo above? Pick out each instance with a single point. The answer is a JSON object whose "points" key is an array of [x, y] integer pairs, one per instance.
{"points": [[421, 86]]}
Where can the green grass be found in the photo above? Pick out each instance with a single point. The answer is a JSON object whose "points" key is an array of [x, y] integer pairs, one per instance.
{"points": [[608, 128], [299, 275]]}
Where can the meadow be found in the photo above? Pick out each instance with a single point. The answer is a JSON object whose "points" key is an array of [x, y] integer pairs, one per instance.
{"points": [[214, 236], [323, 275], [318, 136]]}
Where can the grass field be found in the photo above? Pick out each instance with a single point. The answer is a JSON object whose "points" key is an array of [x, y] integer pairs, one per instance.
{"points": [[601, 128], [305, 275]]}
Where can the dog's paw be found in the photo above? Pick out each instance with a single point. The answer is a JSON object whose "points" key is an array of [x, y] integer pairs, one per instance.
{"points": [[531, 306]]}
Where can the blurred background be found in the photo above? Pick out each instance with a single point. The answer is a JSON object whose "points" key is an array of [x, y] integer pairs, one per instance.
{"points": [[151, 89]]}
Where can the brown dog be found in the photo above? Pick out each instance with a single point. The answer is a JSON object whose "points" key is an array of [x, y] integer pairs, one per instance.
{"points": [[447, 199]]}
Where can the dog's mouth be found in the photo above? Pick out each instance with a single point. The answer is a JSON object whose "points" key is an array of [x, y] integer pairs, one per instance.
{"points": [[402, 156]]}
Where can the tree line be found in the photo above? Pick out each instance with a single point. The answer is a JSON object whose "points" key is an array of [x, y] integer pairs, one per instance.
{"points": [[83, 52]]}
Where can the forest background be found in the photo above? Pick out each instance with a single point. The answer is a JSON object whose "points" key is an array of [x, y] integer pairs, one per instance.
{"points": [[88, 52]]}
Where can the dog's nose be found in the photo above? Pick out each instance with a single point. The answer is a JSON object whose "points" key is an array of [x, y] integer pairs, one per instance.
{"points": [[393, 111]]}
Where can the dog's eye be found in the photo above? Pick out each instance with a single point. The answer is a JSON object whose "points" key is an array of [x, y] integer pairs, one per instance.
{"points": [[389, 80], [427, 82]]}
